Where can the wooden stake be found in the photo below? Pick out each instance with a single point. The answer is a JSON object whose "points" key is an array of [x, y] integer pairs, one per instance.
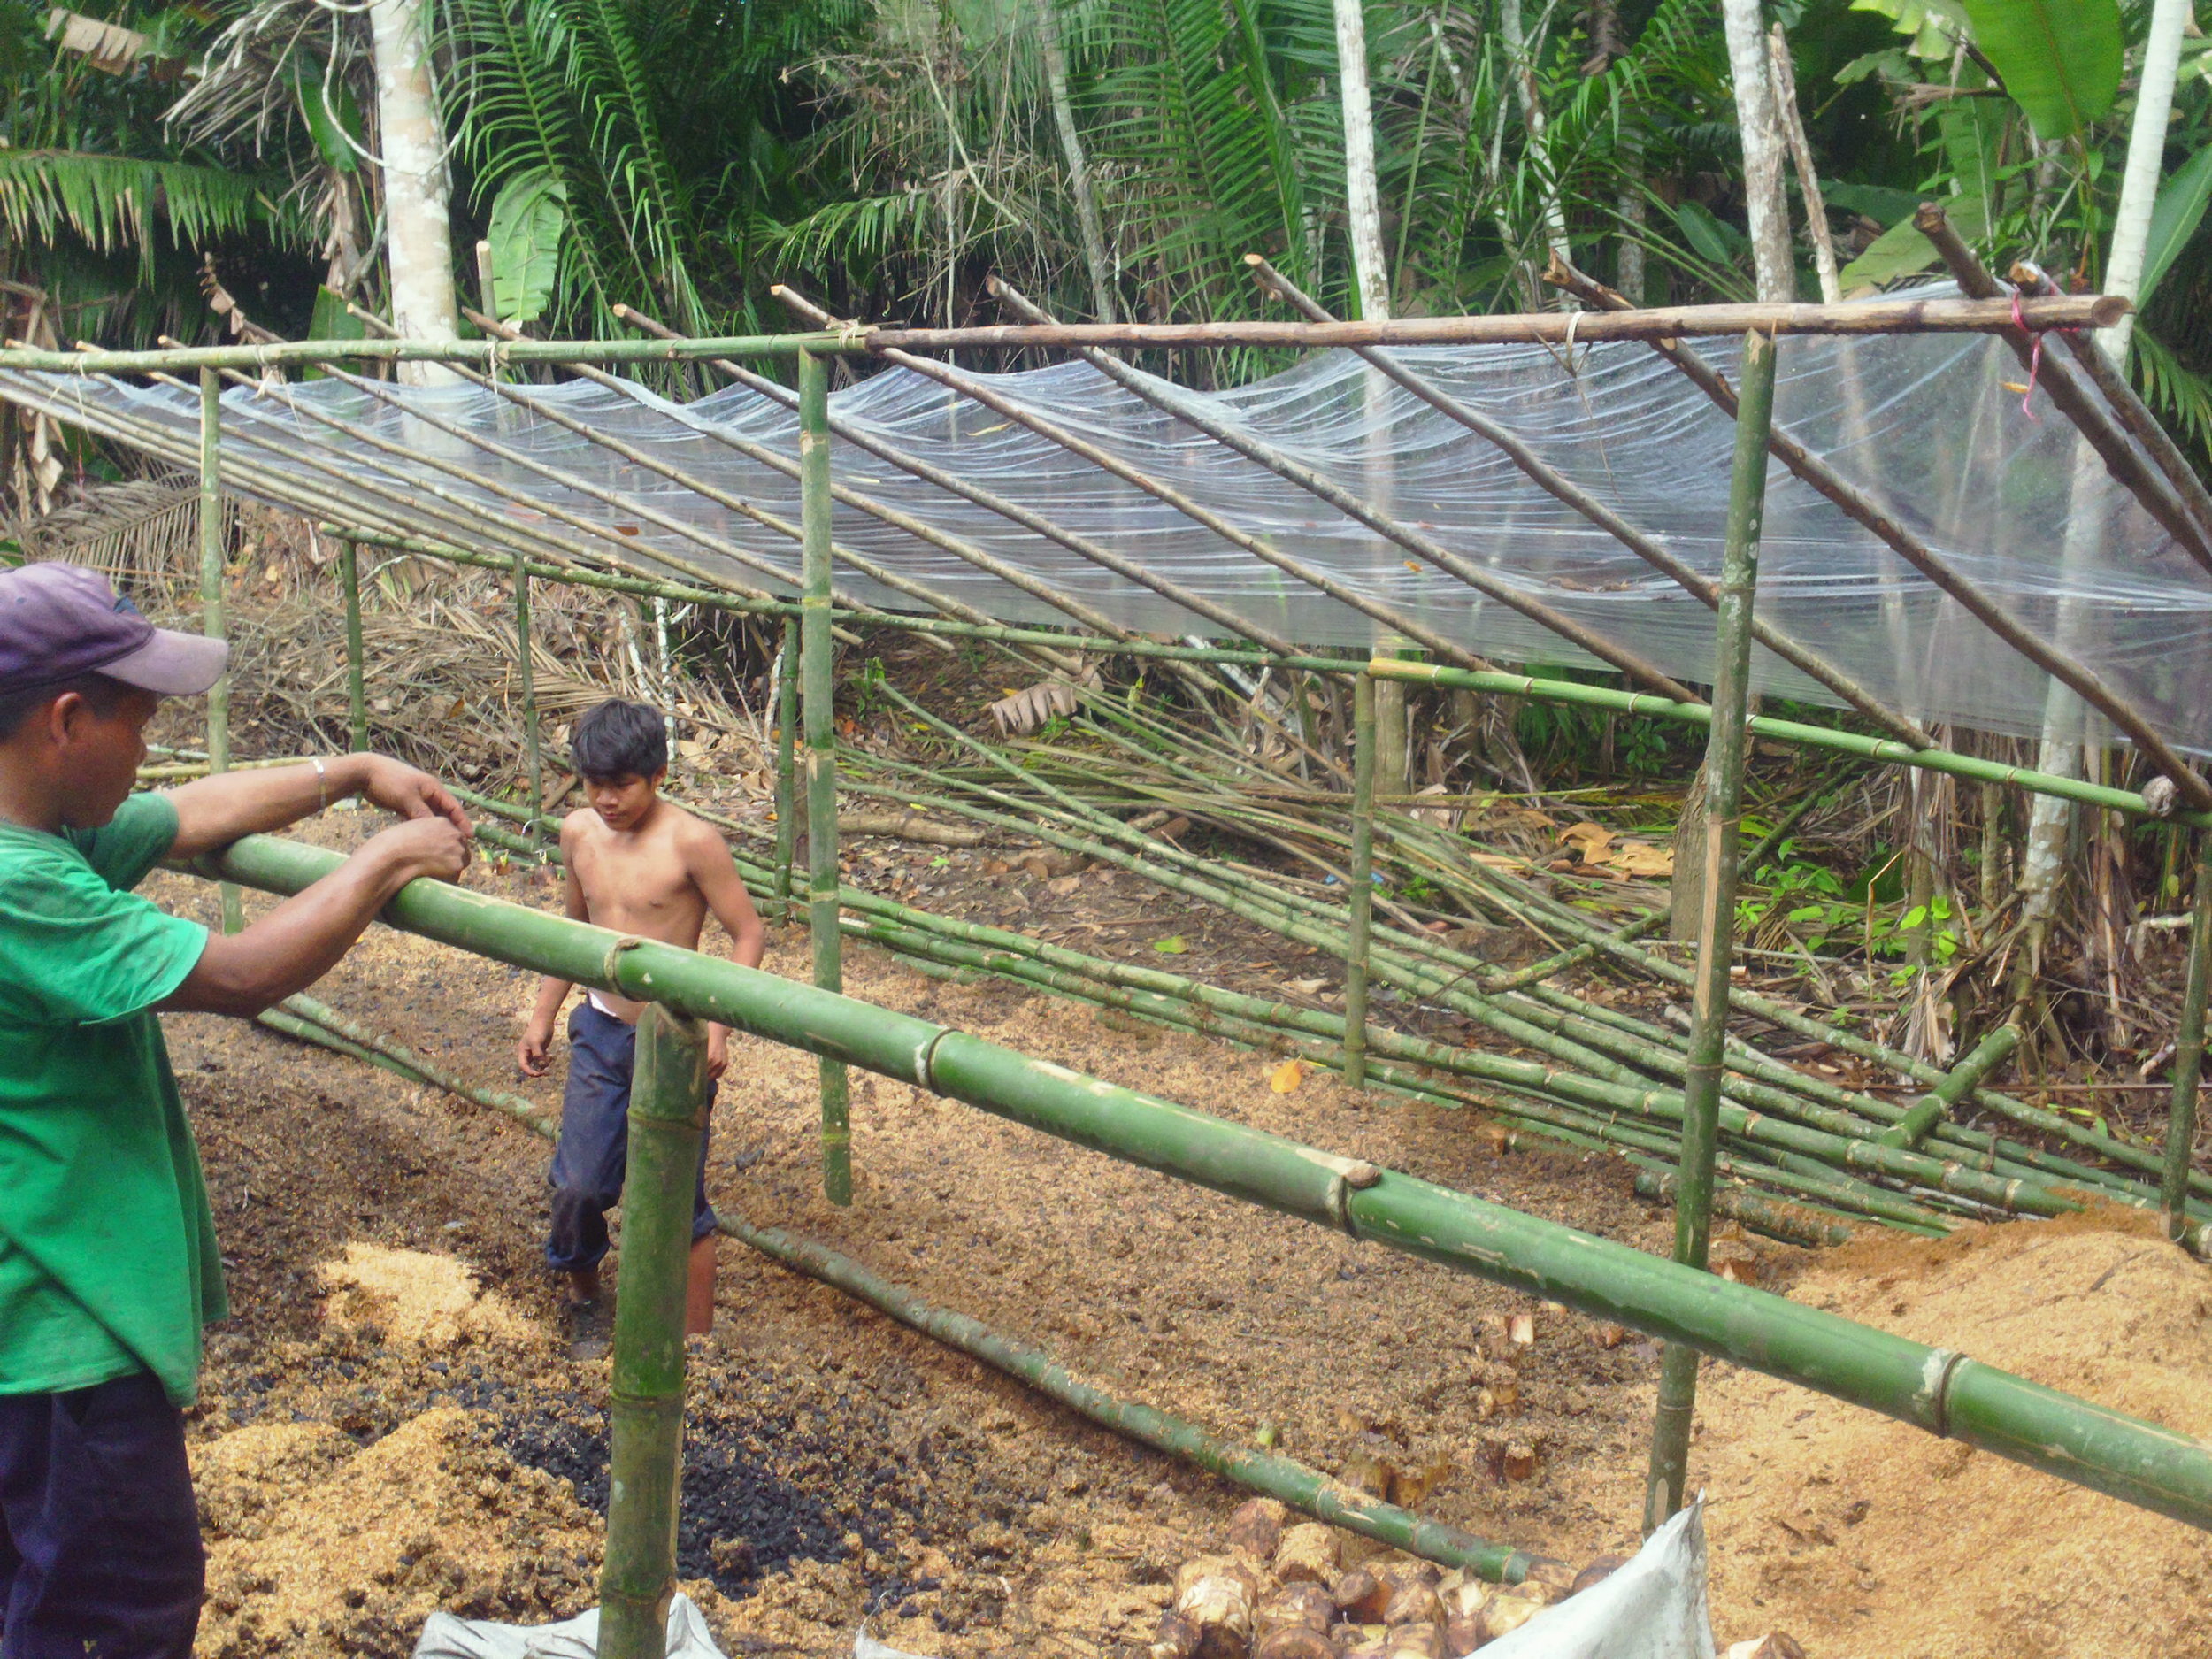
{"points": [[356, 696], [1363, 879], [526, 675], [2181, 1121], [211, 595]]}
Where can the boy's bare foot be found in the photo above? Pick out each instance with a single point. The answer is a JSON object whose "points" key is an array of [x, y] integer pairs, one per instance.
{"points": [[699, 1288], [583, 1285], [590, 1329]]}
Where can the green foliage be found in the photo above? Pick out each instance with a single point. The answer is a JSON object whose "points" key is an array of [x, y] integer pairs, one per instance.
{"points": [[2174, 221], [528, 216], [2060, 58]]}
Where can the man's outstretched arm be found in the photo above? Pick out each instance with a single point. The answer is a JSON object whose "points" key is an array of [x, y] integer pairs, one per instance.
{"points": [[215, 812]]}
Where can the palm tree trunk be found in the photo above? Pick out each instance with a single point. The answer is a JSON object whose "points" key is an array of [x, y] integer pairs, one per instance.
{"points": [[1363, 200], [2138, 184], [1080, 184], [1766, 206], [418, 229]]}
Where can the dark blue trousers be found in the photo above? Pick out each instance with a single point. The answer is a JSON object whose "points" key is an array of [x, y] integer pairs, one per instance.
{"points": [[593, 1150], [100, 1553]]}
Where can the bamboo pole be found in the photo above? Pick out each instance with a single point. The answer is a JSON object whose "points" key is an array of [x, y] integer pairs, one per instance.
{"points": [[1553, 328], [669, 1104], [1362, 898], [1965, 1077], [356, 693], [1174, 400], [1941, 1391], [2181, 1120], [1569, 493], [1708, 1009], [526, 673], [818, 694], [212, 574], [788, 796]]}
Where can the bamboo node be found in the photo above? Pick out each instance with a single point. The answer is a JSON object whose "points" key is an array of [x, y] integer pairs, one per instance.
{"points": [[1936, 1372], [610, 965], [924, 1060]]}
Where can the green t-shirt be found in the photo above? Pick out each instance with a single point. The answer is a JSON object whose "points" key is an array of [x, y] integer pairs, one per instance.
{"points": [[108, 1261]]}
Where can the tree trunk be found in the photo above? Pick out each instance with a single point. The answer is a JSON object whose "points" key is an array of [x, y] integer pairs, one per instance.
{"points": [[1628, 271], [1080, 184], [1808, 175], [1768, 207], [1520, 53], [418, 229], [2138, 184], [1362, 200]]}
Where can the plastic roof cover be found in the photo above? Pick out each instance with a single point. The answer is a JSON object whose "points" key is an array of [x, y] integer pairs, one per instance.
{"points": [[1933, 425]]}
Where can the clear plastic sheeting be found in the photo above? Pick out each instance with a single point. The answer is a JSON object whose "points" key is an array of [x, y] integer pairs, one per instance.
{"points": [[1934, 426], [1653, 1607]]}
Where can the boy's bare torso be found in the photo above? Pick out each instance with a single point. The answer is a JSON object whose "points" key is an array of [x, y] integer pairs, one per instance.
{"points": [[637, 881]]}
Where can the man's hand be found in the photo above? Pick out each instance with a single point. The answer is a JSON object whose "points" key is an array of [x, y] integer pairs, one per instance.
{"points": [[425, 846], [400, 788], [530, 1052], [718, 1051]]}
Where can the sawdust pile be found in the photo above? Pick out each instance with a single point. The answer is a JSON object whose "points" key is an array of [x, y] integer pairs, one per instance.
{"points": [[1860, 1535], [433, 1516], [417, 1301]]}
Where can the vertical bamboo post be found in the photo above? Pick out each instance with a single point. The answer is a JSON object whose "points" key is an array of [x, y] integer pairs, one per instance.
{"points": [[2181, 1119], [645, 1412], [211, 596], [787, 804], [1724, 755], [1363, 875], [819, 697], [526, 673], [356, 693]]}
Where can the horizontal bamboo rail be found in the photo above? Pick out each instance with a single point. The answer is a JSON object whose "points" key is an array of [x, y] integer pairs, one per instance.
{"points": [[1936, 1389], [1559, 328]]}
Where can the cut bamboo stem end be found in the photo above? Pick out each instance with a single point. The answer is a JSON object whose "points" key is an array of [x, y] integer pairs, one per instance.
{"points": [[668, 1111]]}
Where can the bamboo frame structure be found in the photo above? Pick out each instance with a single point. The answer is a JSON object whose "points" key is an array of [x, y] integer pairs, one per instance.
{"points": [[1938, 1390], [1726, 749], [1708, 1121]]}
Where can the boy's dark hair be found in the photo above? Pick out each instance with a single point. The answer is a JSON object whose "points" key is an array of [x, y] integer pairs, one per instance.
{"points": [[16, 708], [620, 740]]}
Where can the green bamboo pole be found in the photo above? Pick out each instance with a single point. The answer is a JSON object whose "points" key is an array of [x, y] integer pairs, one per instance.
{"points": [[1965, 1077], [1362, 881], [645, 1403], [1977, 1404], [526, 675], [2181, 1120], [786, 716], [211, 598], [1799, 1224], [357, 694], [1725, 754], [820, 697]]}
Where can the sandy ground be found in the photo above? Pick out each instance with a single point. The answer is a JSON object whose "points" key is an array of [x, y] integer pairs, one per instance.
{"points": [[391, 1424]]}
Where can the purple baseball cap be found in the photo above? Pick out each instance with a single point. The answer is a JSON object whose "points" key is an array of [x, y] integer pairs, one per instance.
{"points": [[58, 621]]}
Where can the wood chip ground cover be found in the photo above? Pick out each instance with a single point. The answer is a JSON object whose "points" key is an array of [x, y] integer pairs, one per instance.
{"points": [[844, 1468]]}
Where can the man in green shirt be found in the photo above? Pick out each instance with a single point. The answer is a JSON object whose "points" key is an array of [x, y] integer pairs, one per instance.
{"points": [[108, 1261]]}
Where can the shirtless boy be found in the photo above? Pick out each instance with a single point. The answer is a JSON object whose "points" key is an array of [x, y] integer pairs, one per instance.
{"points": [[641, 865]]}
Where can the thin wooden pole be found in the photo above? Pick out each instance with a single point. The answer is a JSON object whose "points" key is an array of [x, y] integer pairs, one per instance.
{"points": [[1725, 754], [788, 807], [211, 595], [818, 695], [525, 676], [645, 1411], [357, 694], [2181, 1120], [1363, 879]]}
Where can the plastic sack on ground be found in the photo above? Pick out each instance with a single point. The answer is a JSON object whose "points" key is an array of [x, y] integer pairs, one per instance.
{"points": [[446, 1637], [1652, 1609]]}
